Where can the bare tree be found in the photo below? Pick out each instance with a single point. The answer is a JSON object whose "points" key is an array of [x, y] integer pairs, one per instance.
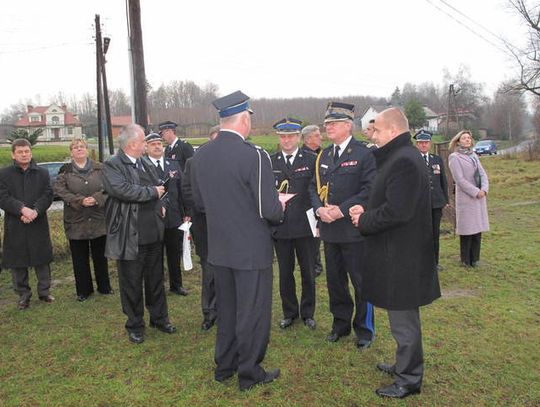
{"points": [[528, 57]]}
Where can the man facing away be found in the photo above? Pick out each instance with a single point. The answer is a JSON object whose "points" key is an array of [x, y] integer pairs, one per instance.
{"points": [[25, 196], [232, 181], [399, 272], [134, 215]]}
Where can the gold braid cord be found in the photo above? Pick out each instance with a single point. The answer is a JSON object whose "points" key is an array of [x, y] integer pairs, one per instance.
{"points": [[322, 190], [284, 187]]}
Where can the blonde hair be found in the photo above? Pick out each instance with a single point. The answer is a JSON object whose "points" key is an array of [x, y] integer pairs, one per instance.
{"points": [[455, 140], [76, 141]]}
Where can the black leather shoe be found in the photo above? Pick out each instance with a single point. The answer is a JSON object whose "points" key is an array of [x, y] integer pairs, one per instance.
{"points": [[475, 264], [82, 298], [386, 368], [110, 292], [286, 322], [334, 336], [136, 337], [271, 375], [167, 327], [22, 305], [47, 298], [396, 391], [310, 323], [363, 344], [466, 265], [207, 324], [180, 291], [223, 378], [318, 271]]}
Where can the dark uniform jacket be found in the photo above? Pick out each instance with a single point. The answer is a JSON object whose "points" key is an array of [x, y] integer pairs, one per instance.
{"points": [[438, 182], [82, 222], [233, 182], [198, 217], [299, 176], [349, 183], [180, 152], [399, 272], [25, 244], [122, 182], [175, 212]]}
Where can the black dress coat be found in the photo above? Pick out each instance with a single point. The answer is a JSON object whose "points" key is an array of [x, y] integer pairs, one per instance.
{"points": [[299, 176], [438, 182], [349, 183], [233, 183], [399, 272], [25, 244], [121, 181], [180, 153]]}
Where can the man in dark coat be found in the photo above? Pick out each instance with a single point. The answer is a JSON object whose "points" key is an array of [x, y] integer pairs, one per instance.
{"points": [[438, 185], [399, 272], [25, 196], [134, 214], [175, 213], [232, 181], [200, 238], [344, 174], [312, 141], [293, 170], [177, 150]]}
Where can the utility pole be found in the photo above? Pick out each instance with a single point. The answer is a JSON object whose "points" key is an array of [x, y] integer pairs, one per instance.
{"points": [[137, 63], [99, 56], [106, 42], [451, 108]]}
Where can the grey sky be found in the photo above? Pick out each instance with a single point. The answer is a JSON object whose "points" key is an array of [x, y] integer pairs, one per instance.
{"points": [[267, 49]]}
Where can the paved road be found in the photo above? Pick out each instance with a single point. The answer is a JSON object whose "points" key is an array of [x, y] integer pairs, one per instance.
{"points": [[520, 148]]}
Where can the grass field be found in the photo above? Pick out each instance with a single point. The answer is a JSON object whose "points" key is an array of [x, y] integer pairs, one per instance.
{"points": [[481, 339]]}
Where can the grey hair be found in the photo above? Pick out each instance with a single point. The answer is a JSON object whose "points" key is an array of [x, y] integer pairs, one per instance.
{"points": [[306, 131], [232, 119], [128, 133]]}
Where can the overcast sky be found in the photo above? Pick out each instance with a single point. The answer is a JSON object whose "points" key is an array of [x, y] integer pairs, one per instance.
{"points": [[267, 49]]}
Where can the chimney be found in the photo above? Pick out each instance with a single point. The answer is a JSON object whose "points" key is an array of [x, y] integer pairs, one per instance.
{"points": [[29, 108]]}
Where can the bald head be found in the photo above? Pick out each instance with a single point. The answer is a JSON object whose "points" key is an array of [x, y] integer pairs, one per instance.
{"points": [[389, 124]]}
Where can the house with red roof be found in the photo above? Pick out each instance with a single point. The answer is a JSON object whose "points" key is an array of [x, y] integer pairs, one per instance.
{"points": [[57, 122]]}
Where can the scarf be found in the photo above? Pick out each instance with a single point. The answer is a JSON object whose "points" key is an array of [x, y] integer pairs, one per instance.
{"points": [[84, 170]]}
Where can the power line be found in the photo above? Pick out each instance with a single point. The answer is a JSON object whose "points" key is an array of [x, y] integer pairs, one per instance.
{"points": [[468, 28]]}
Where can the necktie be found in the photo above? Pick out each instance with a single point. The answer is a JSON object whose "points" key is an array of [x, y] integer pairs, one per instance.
{"points": [[159, 169], [289, 163], [336, 154], [426, 159]]}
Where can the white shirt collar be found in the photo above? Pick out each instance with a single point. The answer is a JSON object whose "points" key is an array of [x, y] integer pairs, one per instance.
{"points": [[293, 155], [343, 145], [154, 160], [133, 160], [233, 131], [173, 143]]}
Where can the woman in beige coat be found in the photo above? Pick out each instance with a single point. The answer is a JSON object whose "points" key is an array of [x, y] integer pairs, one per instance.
{"points": [[472, 186], [80, 186]]}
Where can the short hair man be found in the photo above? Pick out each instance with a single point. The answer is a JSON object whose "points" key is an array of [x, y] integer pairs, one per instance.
{"points": [[293, 170], [177, 150], [200, 238], [25, 196], [368, 131], [399, 272], [312, 139], [233, 183], [438, 185], [169, 170], [344, 174], [134, 215]]}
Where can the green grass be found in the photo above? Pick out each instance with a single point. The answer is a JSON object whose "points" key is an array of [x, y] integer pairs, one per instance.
{"points": [[481, 340], [40, 153]]}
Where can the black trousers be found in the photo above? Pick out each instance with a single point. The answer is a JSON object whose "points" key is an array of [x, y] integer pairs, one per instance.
{"points": [[436, 216], [285, 253], [407, 332], [172, 241], [208, 289], [344, 261], [317, 248], [469, 246], [244, 308], [19, 276], [80, 257], [146, 271]]}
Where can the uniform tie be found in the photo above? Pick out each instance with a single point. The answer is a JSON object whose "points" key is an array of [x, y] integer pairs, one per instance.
{"points": [[336, 154], [426, 159], [159, 169], [289, 162]]}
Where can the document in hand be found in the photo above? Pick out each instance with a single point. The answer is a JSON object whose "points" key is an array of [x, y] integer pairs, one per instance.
{"points": [[312, 222]]}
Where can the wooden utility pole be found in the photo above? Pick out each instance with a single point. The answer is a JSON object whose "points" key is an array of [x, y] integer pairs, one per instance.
{"points": [[106, 98], [99, 97], [137, 63]]}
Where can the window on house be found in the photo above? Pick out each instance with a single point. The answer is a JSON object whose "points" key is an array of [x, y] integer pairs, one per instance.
{"points": [[55, 119], [35, 118], [70, 130]]}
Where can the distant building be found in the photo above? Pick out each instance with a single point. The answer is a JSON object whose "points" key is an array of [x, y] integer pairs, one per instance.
{"points": [[57, 122], [431, 124], [117, 122]]}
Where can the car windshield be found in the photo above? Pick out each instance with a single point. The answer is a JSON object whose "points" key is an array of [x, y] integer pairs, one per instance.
{"points": [[53, 167], [483, 143]]}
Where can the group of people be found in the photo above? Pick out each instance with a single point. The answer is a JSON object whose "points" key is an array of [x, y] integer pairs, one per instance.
{"points": [[374, 206]]}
